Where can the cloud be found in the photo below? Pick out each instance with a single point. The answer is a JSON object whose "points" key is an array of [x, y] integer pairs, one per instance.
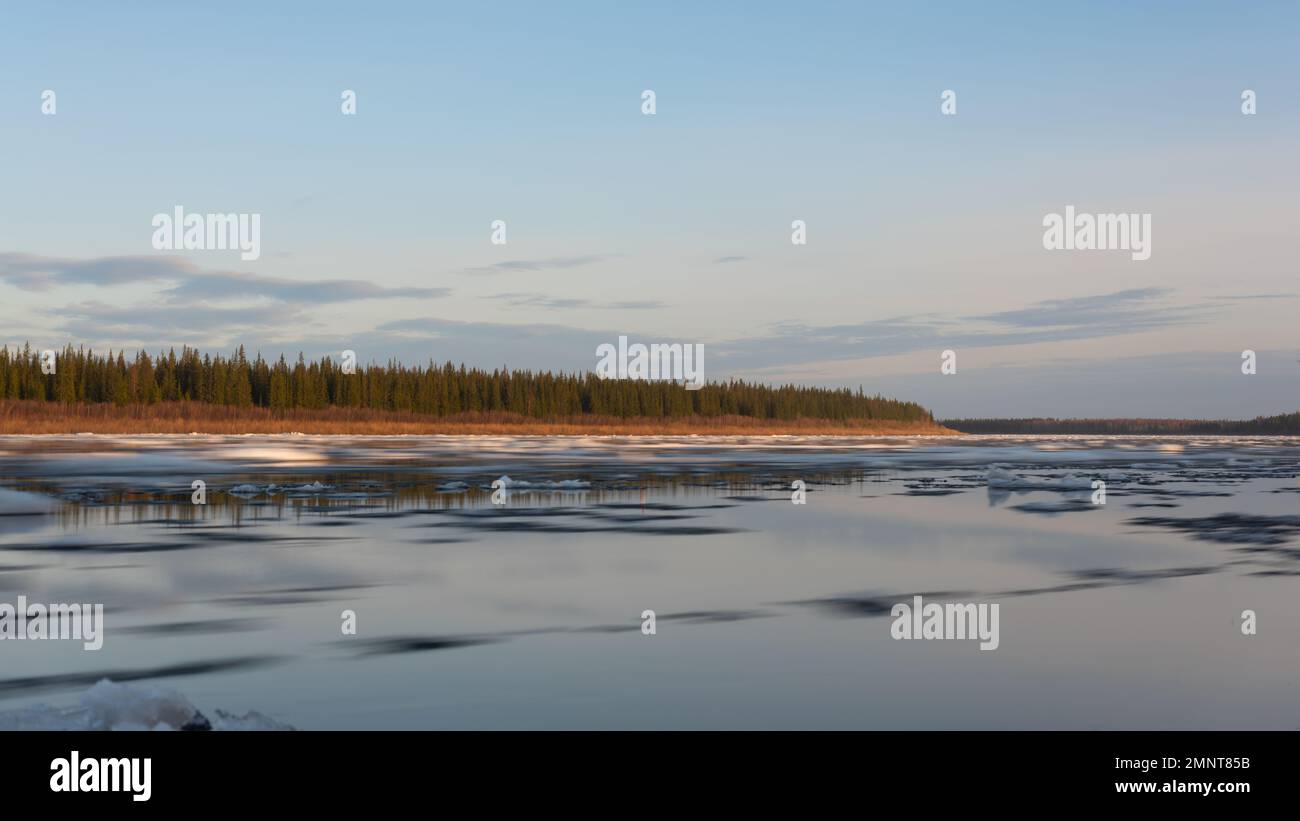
{"points": [[163, 326], [725, 260], [1131, 307], [513, 265], [191, 312], [543, 301], [217, 286], [36, 273], [1239, 297], [140, 318], [787, 344], [1056, 320]]}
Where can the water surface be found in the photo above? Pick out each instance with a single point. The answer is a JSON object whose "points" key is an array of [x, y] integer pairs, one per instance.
{"points": [[527, 614]]}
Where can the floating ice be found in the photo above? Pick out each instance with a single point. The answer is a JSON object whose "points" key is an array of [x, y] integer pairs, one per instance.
{"points": [[112, 706], [1000, 477], [547, 484], [314, 487]]}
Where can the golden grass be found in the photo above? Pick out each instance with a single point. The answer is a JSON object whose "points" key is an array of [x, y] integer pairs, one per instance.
{"points": [[26, 417]]}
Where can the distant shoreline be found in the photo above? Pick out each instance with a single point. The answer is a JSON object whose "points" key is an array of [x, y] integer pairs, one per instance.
{"points": [[22, 417], [36, 418], [1287, 424]]}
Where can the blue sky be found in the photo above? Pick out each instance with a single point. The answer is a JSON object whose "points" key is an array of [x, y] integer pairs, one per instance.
{"points": [[924, 231]]}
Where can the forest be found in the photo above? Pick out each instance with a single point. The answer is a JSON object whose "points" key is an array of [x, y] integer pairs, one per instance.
{"points": [[82, 377]]}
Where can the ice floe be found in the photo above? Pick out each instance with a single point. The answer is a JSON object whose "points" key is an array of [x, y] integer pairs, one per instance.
{"points": [[547, 484], [109, 705], [314, 487], [999, 476]]}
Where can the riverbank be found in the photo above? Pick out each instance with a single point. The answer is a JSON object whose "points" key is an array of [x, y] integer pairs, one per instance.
{"points": [[33, 418]]}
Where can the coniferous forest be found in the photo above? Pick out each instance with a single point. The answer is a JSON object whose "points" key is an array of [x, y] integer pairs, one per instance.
{"points": [[85, 377]]}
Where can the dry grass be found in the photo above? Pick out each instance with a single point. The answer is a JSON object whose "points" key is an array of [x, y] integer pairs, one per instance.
{"points": [[190, 417]]}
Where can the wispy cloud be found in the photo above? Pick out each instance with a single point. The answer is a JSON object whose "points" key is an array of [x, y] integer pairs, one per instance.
{"points": [[1121, 310], [555, 303], [551, 263], [1057, 320], [196, 307], [215, 286], [97, 321], [1243, 297], [36, 273]]}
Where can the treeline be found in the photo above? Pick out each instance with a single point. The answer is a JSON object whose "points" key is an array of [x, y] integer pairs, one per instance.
{"points": [[1281, 425], [81, 376]]}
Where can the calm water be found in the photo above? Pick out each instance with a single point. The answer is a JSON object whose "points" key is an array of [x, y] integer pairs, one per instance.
{"points": [[527, 614]]}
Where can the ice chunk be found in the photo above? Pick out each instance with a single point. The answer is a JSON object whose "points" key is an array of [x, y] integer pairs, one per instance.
{"points": [[1000, 477], [543, 484], [249, 721], [113, 706]]}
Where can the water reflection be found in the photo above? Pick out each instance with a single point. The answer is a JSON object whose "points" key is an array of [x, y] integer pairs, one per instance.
{"points": [[239, 600]]}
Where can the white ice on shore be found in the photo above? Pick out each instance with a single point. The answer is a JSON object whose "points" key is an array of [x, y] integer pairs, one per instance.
{"points": [[109, 705]]}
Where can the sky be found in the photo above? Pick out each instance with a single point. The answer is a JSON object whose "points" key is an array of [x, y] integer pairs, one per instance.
{"points": [[924, 230]]}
